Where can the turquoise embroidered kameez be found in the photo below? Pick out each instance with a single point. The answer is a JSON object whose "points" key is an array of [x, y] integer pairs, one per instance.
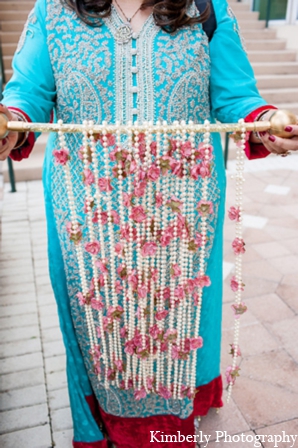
{"points": [[83, 72]]}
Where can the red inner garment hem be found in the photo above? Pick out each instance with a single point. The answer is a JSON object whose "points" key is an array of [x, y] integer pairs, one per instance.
{"points": [[128, 432]]}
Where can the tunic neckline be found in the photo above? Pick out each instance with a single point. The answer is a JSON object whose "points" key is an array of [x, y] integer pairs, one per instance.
{"points": [[118, 18]]}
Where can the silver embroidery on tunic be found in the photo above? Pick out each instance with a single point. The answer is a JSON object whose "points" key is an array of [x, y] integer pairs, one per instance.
{"points": [[27, 31]]}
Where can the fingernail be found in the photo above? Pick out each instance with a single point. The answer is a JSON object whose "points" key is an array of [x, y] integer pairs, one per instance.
{"points": [[272, 138], [4, 140], [263, 133], [288, 128]]}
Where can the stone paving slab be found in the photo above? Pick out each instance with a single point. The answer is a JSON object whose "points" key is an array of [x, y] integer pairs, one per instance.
{"points": [[34, 403]]}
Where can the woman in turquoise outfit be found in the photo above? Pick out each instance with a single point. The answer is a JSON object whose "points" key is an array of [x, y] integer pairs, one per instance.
{"points": [[104, 70]]}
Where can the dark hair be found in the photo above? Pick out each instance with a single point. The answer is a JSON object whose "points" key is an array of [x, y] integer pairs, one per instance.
{"points": [[168, 14]]}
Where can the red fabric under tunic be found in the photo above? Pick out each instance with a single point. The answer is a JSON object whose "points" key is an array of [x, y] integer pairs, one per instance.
{"points": [[135, 432]]}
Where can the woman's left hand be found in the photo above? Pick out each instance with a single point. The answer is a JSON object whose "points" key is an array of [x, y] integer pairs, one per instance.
{"points": [[281, 146]]}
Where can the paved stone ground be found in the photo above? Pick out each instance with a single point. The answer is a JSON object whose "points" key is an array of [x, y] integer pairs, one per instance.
{"points": [[34, 408]]}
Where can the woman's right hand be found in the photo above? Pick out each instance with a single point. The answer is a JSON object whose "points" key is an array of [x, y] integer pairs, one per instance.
{"points": [[9, 142]]}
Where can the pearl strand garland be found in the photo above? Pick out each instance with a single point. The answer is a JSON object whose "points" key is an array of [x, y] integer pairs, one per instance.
{"points": [[78, 247], [183, 259], [115, 334], [179, 313], [158, 259], [240, 159], [205, 183], [130, 359], [191, 205], [102, 244]]}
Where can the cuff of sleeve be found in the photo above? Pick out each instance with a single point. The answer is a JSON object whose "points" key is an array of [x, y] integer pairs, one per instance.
{"points": [[23, 151], [256, 150]]}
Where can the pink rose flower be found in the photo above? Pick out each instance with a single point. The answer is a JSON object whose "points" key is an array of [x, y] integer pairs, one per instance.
{"points": [[102, 266], [235, 285], [175, 270], [92, 248], [88, 177], [133, 279], [153, 146], [139, 394], [154, 331], [205, 208], [149, 382], [195, 343], [115, 217], [234, 214], [111, 140], [61, 156], [231, 374], [123, 332], [138, 214], [104, 184], [238, 246], [185, 149], [179, 292], [160, 315], [115, 312], [164, 392], [140, 189], [166, 293], [153, 173], [158, 200], [127, 199], [95, 217], [175, 204], [170, 335], [149, 249], [118, 287], [82, 298], [153, 274], [119, 365], [142, 291], [177, 167], [167, 236], [235, 352], [97, 304], [119, 248], [175, 352], [202, 281], [239, 309], [104, 218]]}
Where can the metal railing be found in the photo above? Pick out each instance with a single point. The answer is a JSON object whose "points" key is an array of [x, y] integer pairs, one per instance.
{"points": [[9, 161]]}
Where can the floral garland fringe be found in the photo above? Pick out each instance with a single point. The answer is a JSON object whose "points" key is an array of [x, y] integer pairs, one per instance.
{"points": [[143, 302]]}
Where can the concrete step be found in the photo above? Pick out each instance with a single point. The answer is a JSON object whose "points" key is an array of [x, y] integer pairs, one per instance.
{"points": [[292, 107], [239, 6], [264, 34], [16, 5], [7, 16], [10, 37], [9, 49], [272, 56], [271, 68], [277, 81], [8, 74], [268, 45], [246, 15], [17, 25], [276, 96], [252, 24], [7, 60]]}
